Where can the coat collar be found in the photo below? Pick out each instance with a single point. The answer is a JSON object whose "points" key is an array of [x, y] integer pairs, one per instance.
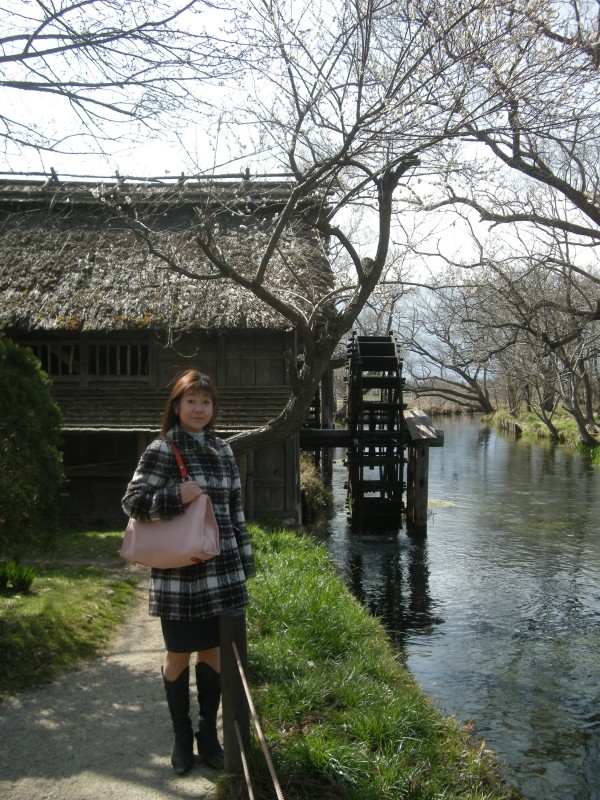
{"points": [[184, 439]]}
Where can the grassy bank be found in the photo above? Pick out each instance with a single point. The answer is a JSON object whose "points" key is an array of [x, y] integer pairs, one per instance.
{"points": [[342, 716], [80, 595], [531, 427]]}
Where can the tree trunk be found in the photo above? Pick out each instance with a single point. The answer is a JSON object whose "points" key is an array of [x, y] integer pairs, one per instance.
{"points": [[588, 393]]}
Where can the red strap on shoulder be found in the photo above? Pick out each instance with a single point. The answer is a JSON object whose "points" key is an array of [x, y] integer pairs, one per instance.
{"points": [[180, 464]]}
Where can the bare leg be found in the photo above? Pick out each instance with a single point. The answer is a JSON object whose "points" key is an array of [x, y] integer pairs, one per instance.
{"points": [[211, 657], [174, 664]]}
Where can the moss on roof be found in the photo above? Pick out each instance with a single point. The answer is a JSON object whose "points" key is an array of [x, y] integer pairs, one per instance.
{"points": [[69, 260]]}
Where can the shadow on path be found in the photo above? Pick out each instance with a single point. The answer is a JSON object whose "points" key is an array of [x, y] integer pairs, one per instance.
{"points": [[101, 731]]}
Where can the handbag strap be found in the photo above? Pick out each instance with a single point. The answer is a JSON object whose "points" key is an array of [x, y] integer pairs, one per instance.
{"points": [[180, 464]]}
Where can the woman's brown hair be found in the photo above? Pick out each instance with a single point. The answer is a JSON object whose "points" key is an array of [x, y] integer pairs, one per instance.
{"points": [[189, 381]]}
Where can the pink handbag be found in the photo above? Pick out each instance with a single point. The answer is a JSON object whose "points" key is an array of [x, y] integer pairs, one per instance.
{"points": [[189, 538]]}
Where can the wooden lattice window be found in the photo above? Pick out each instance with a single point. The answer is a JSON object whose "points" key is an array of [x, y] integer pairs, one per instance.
{"points": [[118, 360], [59, 360]]}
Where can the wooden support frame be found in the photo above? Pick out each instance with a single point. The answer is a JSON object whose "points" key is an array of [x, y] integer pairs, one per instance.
{"points": [[422, 436], [417, 494]]}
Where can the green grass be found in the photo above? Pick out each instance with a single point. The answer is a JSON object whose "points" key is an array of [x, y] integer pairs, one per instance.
{"points": [[74, 606], [88, 545], [594, 455], [342, 716]]}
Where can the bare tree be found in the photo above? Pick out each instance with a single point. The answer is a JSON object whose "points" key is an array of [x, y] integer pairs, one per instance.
{"points": [[533, 153], [93, 63], [350, 99], [369, 107], [527, 316], [545, 123], [527, 173], [577, 29], [449, 354]]}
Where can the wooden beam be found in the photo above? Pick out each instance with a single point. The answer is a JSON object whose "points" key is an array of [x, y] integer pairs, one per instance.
{"points": [[421, 428]]}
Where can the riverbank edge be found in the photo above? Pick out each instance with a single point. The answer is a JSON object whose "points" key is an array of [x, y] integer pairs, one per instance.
{"points": [[532, 427], [342, 714]]}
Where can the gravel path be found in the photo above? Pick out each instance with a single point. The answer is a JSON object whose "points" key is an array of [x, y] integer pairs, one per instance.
{"points": [[101, 731]]}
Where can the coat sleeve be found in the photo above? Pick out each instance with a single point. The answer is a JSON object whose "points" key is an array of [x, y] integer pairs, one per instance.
{"points": [[238, 519], [152, 493]]}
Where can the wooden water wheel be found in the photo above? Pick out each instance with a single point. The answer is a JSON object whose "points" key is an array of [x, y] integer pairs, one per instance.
{"points": [[376, 452]]}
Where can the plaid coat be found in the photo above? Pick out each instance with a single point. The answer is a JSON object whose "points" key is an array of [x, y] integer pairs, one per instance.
{"points": [[200, 590]]}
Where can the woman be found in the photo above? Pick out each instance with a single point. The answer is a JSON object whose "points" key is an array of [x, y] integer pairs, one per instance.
{"points": [[188, 600]]}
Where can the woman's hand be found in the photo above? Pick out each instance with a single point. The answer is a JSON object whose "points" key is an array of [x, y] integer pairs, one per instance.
{"points": [[189, 490]]}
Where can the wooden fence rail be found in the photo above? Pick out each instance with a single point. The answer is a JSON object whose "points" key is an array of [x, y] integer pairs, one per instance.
{"points": [[237, 704]]}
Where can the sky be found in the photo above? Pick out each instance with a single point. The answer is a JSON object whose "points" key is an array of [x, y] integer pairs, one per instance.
{"points": [[166, 152], [176, 145]]}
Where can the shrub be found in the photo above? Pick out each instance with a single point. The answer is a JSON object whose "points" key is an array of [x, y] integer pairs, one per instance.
{"points": [[15, 578], [30, 459], [317, 499]]}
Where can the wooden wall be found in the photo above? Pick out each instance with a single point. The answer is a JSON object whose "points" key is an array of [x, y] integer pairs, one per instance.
{"points": [[108, 421]]}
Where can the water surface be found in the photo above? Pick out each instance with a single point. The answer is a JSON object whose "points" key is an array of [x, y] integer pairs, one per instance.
{"points": [[497, 610]]}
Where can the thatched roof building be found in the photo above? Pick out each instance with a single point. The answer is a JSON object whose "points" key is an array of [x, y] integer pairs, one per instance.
{"points": [[112, 324]]}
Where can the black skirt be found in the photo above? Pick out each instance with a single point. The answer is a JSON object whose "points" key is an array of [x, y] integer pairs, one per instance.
{"points": [[184, 636]]}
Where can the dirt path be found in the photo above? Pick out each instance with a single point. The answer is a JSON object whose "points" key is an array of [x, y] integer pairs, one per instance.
{"points": [[101, 731]]}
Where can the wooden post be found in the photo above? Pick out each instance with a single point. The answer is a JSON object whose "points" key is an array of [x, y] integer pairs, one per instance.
{"points": [[410, 486], [245, 463], [423, 436], [232, 628], [419, 479]]}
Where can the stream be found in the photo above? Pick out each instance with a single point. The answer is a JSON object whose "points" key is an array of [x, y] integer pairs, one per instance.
{"points": [[497, 610]]}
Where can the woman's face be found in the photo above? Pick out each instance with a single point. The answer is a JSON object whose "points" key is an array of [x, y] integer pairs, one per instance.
{"points": [[195, 411]]}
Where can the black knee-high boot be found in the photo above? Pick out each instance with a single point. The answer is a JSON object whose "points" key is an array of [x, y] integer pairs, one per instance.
{"points": [[208, 684], [178, 700]]}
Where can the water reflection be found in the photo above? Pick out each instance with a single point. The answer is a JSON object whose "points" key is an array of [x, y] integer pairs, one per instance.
{"points": [[497, 611], [391, 578], [388, 573]]}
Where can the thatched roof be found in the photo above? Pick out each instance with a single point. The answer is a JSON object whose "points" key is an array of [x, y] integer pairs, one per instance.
{"points": [[69, 259]]}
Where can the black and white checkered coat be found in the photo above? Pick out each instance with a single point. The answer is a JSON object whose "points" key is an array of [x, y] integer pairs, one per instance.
{"points": [[200, 590]]}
